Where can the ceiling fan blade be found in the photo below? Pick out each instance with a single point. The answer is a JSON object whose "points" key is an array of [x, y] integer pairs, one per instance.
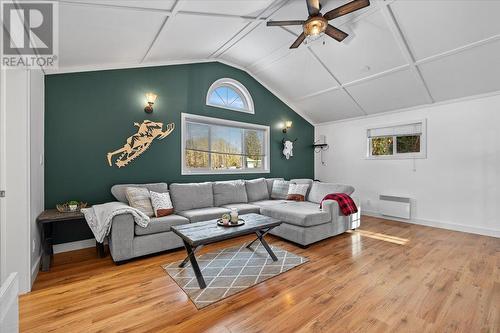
{"points": [[282, 23], [313, 7], [298, 41], [346, 9], [335, 33]]}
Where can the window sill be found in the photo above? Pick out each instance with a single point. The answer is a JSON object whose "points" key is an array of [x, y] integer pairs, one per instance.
{"points": [[223, 172], [396, 157]]}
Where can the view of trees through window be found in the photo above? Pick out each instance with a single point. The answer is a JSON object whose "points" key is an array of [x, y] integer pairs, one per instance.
{"points": [[218, 147], [404, 144]]}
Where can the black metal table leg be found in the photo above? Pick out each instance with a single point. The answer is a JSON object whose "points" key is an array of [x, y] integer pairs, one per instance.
{"points": [[184, 262], [47, 251], [260, 237], [264, 232], [194, 264]]}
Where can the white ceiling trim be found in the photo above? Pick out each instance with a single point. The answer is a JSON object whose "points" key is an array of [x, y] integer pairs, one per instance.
{"points": [[337, 81], [412, 108], [358, 81], [403, 44], [105, 5], [166, 22], [458, 50], [242, 34]]}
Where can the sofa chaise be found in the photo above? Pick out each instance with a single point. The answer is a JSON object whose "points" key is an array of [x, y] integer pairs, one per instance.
{"points": [[303, 221]]}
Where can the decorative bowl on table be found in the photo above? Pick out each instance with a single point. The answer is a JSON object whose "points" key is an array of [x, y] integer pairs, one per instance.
{"points": [[225, 221]]}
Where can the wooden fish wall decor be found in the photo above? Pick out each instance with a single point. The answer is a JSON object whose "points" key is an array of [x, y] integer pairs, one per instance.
{"points": [[140, 141]]}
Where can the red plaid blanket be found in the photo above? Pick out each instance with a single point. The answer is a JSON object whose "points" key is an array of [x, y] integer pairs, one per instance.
{"points": [[346, 204]]}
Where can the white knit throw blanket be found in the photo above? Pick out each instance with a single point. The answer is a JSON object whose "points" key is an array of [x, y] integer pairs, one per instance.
{"points": [[99, 217]]}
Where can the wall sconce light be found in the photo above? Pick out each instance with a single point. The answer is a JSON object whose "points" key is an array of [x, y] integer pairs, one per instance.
{"points": [[150, 98], [287, 125]]}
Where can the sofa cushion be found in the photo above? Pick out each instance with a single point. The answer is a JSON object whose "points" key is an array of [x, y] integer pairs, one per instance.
{"points": [[303, 213], [320, 190], [270, 182], [191, 196], [138, 198], [263, 203], [227, 192], [280, 189], [204, 214], [160, 224], [118, 190], [244, 208], [257, 189]]}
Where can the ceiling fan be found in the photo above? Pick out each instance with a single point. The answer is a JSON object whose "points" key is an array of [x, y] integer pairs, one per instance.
{"points": [[317, 23]]}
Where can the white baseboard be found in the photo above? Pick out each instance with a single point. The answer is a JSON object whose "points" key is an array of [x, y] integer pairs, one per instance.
{"points": [[72, 246], [439, 224], [35, 268]]}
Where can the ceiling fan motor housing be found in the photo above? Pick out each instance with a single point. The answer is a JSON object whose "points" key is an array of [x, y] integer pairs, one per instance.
{"points": [[315, 25]]}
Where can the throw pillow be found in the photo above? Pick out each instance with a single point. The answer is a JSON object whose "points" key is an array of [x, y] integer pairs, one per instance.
{"points": [[297, 192], [280, 189], [257, 189], [138, 198], [162, 205]]}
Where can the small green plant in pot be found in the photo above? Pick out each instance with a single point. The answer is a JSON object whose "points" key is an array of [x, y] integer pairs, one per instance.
{"points": [[73, 205], [225, 219]]}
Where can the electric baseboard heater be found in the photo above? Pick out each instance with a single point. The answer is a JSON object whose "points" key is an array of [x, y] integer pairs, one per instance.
{"points": [[395, 206]]}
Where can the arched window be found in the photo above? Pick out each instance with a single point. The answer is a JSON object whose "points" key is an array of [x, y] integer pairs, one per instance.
{"points": [[230, 94]]}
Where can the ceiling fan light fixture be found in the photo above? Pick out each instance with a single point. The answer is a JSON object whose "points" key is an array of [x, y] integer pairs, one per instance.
{"points": [[315, 26]]}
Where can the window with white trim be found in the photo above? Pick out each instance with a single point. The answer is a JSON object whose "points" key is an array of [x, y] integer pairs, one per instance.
{"points": [[406, 140], [214, 146], [230, 94]]}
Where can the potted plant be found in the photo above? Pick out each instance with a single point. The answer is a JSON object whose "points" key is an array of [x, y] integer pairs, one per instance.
{"points": [[73, 205], [225, 219]]}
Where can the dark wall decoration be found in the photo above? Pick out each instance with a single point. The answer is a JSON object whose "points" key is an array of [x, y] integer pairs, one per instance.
{"points": [[88, 114]]}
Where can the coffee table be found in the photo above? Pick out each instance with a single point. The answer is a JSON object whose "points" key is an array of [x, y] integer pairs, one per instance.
{"points": [[196, 235]]}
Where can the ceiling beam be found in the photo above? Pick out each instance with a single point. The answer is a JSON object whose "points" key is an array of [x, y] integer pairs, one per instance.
{"points": [[105, 5], [405, 48], [360, 108], [205, 14], [242, 33], [458, 50], [163, 27]]}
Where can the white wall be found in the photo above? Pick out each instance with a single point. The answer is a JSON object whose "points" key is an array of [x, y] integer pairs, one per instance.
{"points": [[457, 186]]}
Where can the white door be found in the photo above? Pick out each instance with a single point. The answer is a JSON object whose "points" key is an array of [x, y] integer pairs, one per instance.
{"points": [[9, 284]]}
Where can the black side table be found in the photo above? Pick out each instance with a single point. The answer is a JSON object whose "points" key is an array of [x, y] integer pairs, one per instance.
{"points": [[46, 220]]}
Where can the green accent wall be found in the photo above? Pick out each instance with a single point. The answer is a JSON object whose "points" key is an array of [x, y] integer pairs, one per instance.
{"points": [[89, 114]]}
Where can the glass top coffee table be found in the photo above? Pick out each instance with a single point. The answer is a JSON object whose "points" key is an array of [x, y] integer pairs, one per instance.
{"points": [[198, 234]]}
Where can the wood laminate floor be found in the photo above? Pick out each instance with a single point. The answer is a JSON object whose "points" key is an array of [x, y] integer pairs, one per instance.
{"points": [[385, 277]]}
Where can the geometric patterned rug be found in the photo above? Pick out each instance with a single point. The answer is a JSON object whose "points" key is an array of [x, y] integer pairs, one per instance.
{"points": [[232, 270]]}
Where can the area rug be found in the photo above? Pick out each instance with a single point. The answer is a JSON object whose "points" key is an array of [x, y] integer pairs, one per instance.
{"points": [[231, 270]]}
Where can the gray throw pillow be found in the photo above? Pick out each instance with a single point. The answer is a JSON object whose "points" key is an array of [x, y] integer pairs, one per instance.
{"points": [[280, 189], [229, 192], [257, 190]]}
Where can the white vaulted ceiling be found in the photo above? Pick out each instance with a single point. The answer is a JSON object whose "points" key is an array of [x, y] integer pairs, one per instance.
{"points": [[400, 53]]}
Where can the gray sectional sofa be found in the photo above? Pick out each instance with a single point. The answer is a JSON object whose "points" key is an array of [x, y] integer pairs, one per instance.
{"points": [[303, 222]]}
